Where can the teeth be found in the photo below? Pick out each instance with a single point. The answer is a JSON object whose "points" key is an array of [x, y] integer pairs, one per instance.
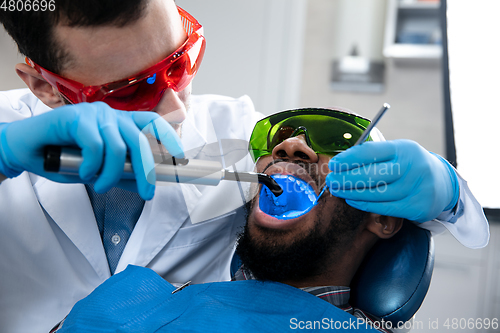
{"points": [[302, 185]]}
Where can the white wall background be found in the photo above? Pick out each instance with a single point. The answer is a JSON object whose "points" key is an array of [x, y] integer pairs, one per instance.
{"points": [[8, 58], [253, 48], [474, 94], [357, 23]]}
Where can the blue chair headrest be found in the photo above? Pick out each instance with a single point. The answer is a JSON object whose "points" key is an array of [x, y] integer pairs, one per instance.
{"points": [[393, 280]]}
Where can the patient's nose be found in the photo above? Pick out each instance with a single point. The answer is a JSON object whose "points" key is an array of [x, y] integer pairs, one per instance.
{"points": [[295, 148]]}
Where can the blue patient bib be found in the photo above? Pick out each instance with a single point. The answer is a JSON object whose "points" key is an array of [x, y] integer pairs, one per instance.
{"points": [[139, 300]]}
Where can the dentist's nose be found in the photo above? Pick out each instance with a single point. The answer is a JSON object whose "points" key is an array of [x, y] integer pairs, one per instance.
{"points": [[171, 107]]}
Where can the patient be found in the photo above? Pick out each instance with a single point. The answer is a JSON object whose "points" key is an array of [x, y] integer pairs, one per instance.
{"points": [[304, 242], [321, 250]]}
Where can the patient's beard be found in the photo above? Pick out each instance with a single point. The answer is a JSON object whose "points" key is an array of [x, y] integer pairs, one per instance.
{"points": [[305, 257]]}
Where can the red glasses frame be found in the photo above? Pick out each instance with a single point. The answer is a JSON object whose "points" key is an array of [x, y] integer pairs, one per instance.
{"points": [[140, 93]]}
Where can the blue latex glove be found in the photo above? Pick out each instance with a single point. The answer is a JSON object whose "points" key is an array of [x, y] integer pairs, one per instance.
{"points": [[395, 178], [96, 129]]}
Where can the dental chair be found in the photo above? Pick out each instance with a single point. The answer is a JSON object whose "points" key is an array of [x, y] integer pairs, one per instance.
{"points": [[393, 280]]}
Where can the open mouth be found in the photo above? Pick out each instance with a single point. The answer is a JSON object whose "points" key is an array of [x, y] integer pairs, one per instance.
{"points": [[297, 199]]}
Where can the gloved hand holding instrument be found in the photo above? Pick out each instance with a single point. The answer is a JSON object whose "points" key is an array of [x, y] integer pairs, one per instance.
{"points": [[395, 178], [105, 137]]}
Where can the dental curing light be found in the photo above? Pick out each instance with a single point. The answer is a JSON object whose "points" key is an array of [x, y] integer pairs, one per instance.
{"points": [[66, 160]]}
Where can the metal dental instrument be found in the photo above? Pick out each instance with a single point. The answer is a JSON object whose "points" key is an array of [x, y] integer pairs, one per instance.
{"points": [[373, 123], [66, 160]]}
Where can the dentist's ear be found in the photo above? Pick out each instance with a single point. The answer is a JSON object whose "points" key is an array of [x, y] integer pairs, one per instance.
{"points": [[384, 226], [39, 87]]}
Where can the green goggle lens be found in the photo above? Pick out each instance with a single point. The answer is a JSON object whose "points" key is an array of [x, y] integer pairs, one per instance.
{"points": [[327, 131]]}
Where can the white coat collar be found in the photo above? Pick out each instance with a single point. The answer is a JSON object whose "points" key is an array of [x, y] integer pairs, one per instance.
{"points": [[69, 207], [167, 211]]}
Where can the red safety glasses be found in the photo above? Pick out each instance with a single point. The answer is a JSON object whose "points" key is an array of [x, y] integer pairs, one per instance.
{"points": [[143, 91]]}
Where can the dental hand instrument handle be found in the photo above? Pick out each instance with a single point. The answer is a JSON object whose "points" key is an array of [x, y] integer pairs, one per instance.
{"points": [[66, 160], [373, 123]]}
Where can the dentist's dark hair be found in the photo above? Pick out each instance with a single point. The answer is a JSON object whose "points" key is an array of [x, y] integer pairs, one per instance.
{"points": [[33, 31]]}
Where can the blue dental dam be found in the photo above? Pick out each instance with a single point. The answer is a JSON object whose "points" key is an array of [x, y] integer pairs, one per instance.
{"points": [[297, 199]]}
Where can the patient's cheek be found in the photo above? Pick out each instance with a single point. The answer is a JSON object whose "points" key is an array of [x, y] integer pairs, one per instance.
{"points": [[323, 169]]}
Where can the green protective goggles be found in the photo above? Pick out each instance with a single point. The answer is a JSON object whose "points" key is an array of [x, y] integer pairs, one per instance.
{"points": [[326, 131]]}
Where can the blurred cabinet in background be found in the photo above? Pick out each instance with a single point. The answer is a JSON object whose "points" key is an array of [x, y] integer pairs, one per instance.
{"points": [[413, 30]]}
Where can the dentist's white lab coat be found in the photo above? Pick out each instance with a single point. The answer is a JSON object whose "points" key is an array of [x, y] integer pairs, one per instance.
{"points": [[51, 253]]}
